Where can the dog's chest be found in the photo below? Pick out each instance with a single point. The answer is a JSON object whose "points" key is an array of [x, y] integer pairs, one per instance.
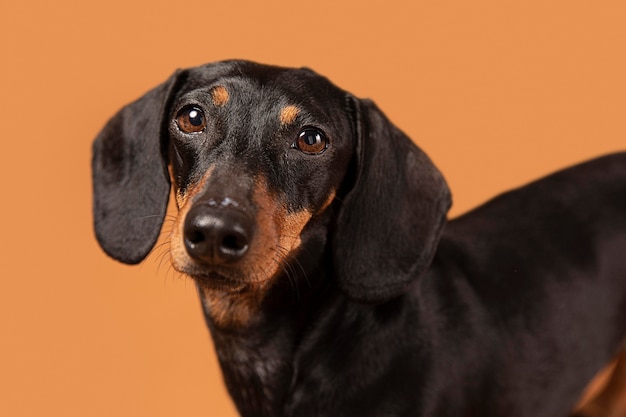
{"points": [[257, 373]]}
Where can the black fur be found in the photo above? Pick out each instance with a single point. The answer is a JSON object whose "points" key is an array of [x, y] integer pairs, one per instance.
{"points": [[385, 309]]}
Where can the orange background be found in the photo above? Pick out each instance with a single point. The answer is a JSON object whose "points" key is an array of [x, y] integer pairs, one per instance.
{"points": [[496, 92]]}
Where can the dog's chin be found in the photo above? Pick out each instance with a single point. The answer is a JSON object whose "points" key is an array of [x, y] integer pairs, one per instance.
{"points": [[217, 281]]}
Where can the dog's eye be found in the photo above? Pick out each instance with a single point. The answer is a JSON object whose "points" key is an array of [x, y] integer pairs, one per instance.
{"points": [[191, 120], [311, 141]]}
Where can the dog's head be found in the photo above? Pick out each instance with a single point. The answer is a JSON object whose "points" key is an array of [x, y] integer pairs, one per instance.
{"points": [[259, 156]]}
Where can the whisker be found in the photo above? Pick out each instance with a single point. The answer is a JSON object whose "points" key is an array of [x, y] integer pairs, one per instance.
{"points": [[288, 269], [161, 245], [293, 262], [148, 216], [163, 257], [278, 260]]}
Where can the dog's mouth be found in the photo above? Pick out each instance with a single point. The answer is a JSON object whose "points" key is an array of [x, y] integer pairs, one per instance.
{"points": [[216, 278], [216, 281]]}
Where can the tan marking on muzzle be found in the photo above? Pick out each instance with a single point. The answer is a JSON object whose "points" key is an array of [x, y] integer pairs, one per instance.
{"points": [[220, 95], [288, 114], [328, 202], [283, 228]]}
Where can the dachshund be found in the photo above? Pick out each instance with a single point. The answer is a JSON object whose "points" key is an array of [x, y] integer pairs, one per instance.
{"points": [[331, 279]]}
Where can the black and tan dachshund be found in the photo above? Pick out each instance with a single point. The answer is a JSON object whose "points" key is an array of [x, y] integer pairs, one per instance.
{"points": [[331, 280]]}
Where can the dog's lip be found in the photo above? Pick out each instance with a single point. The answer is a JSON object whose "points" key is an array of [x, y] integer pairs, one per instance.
{"points": [[212, 275], [224, 277], [217, 279]]}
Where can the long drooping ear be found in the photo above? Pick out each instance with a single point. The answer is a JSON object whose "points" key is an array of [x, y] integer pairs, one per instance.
{"points": [[130, 180], [391, 220]]}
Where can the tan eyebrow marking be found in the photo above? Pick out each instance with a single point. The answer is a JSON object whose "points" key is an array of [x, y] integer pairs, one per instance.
{"points": [[220, 95], [288, 114]]}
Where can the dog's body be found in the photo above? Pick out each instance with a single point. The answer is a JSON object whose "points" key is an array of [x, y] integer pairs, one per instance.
{"points": [[330, 280]]}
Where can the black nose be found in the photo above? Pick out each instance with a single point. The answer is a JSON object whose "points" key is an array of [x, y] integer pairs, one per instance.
{"points": [[216, 235]]}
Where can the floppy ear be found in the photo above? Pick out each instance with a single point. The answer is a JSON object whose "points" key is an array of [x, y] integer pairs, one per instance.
{"points": [[391, 221], [131, 184]]}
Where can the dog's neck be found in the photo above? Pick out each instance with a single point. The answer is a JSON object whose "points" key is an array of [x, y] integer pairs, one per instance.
{"points": [[257, 357], [257, 367]]}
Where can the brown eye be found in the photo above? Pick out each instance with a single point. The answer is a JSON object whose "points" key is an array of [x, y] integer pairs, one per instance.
{"points": [[311, 141], [191, 120]]}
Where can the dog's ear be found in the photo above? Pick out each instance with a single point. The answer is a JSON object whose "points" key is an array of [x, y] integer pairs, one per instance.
{"points": [[391, 220], [131, 184]]}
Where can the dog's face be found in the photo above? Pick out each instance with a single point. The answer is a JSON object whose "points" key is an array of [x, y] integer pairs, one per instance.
{"points": [[270, 167], [256, 154]]}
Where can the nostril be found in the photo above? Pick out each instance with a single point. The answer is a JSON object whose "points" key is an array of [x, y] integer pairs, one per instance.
{"points": [[195, 237], [235, 243]]}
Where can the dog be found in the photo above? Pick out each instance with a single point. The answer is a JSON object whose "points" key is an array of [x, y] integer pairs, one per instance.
{"points": [[331, 280]]}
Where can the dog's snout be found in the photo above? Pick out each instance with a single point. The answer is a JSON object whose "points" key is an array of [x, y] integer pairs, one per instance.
{"points": [[217, 235]]}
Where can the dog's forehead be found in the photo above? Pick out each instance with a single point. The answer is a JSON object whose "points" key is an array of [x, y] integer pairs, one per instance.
{"points": [[262, 82]]}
